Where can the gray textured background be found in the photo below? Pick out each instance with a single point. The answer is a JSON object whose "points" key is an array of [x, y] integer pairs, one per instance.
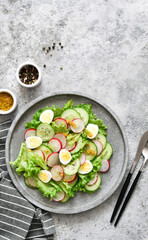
{"points": [[105, 54]]}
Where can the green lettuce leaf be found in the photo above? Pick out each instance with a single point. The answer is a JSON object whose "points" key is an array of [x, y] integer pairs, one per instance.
{"points": [[21, 163], [72, 138], [28, 163], [59, 129], [48, 189], [97, 163], [76, 155], [31, 157]]}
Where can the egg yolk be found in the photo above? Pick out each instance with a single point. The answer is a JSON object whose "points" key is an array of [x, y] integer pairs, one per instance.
{"points": [[65, 156], [91, 151], [46, 117], [85, 167], [34, 141], [90, 134], [73, 124], [43, 176]]}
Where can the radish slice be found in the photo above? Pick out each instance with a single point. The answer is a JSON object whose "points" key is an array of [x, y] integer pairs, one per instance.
{"points": [[59, 196], [32, 182], [99, 146], [59, 121], [57, 173], [77, 125], [69, 179], [29, 133], [94, 180], [71, 148], [55, 144], [83, 158], [53, 159], [39, 153], [62, 138], [105, 165]]}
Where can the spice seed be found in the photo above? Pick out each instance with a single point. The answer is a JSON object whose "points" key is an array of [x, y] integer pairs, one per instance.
{"points": [[61, 46], [43, 48], [44, 66]]}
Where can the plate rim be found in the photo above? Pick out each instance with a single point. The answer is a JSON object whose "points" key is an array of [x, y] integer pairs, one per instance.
{"points": [[29, 105]]}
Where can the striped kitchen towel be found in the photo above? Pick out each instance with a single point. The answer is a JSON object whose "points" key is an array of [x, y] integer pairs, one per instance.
{"points": [[19, 219]]}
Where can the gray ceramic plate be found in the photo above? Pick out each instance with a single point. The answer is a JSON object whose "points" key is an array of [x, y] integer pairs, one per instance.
{"points": [[82, 201]]}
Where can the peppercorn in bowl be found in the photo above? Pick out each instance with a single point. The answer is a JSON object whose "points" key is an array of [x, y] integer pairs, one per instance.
{"points": [[8, 101], [28, 75]]}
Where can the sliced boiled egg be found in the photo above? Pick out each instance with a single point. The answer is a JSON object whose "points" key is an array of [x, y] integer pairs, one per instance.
{"points": [[46, 116], [92, 130], [33, 142], [64, 156], [86, 167], [44, 176]]}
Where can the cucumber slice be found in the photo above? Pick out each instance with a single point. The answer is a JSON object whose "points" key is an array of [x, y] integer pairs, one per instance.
{"points": [[108, 151], [70, 114], [95, 186], [83, 115], [102, 139], [46, 150], [72, 168], [45, 131], [88, 147], [78, 147]]}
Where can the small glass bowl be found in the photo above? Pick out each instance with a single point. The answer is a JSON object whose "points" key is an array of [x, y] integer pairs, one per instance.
{"points": [[28, 85], [2, 112]]}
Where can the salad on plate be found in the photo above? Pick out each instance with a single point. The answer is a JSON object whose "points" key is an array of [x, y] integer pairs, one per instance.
{"points": [[65, 151]]}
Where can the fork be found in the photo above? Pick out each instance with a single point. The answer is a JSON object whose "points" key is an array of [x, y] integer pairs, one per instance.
{"points": [[145, 154]]}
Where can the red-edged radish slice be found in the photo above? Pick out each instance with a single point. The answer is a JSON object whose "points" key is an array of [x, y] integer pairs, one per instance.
{"points": [[29, 133], [94, 180], [77, 125], [55, 144], [57, 173], [62, 138], [59, 121], [71, 148], [99, 146], [69, 179], [105, 166], [32, 182], [83, 158], [59, 196], [39, 153], [53, 159]]}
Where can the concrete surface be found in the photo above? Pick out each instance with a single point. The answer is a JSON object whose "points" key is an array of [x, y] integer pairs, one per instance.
{"points": [[104, 55]]}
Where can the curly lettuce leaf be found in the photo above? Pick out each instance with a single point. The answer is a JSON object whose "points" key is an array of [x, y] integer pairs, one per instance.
{"points": [[97, 163], [59, 129], [28, 163], [31, 157], [72, 138], [48, 189], [76, 155], [21, 163]]}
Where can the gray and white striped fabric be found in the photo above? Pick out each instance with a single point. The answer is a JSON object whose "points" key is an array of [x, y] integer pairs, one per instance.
{"points": [[19, 219]]}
